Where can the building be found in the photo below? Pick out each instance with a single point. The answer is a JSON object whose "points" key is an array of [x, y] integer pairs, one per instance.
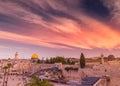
{"points": [[34, 57], [93, 81]]}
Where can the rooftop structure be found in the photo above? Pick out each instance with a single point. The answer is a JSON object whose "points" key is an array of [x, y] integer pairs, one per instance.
{"points": [[90, 81]]}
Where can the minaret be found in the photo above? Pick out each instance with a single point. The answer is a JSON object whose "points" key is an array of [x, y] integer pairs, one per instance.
{"points": [[102, 59], [16, 55]]}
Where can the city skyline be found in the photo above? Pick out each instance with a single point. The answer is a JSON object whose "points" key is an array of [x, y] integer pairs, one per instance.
{"points": [[59, 28]]}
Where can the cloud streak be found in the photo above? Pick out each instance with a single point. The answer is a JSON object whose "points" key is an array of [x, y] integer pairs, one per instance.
{"points": [[51, 23]]}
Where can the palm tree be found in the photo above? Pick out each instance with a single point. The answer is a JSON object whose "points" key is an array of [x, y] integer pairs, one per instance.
{"points": [[5, 72], [35, 81], [9, 66]]}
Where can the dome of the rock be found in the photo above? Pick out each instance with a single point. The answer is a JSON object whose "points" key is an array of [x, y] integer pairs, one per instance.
{"points": [[34, 56]]}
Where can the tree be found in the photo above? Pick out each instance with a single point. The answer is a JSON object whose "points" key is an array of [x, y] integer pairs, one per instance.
{"points": [[35, 81], [68, 61], [58, 59], [9, 66], [82, 61], [38, 61], [5, 72], [51, 60], [47, 61], [111, 57]]}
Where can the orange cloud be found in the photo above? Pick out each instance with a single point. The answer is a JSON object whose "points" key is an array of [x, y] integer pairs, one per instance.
{"points": [[68, 33], [94, 34]]}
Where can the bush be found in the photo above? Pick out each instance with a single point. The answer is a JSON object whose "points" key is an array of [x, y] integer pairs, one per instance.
{"points": [[71, 69]]}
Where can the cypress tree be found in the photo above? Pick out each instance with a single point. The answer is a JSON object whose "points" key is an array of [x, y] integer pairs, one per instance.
{"points": [[82, 61]]}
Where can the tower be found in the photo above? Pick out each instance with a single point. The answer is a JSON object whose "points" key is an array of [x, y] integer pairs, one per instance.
{"points": [[16, 55], [102, 59]]}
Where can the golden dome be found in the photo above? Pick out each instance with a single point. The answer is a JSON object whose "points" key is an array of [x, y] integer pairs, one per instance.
{"points": [[34, 56]]}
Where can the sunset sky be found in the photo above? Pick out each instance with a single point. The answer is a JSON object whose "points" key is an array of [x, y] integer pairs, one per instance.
{"points": [[59, 28]]}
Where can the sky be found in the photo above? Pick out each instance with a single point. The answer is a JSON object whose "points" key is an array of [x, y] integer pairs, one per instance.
{"points": [[59, 28]]}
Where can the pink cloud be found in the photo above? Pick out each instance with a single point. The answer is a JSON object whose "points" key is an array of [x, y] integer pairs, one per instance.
{"points": [[27, 39], [95, 34], [67, 32], [9, 47]]}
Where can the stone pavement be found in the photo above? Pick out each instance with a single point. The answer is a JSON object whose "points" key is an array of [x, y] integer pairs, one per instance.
{"points": [[14, 80]]}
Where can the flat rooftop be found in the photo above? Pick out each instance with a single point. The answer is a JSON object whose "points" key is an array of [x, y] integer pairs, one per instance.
{"points": [[89, 81]]}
